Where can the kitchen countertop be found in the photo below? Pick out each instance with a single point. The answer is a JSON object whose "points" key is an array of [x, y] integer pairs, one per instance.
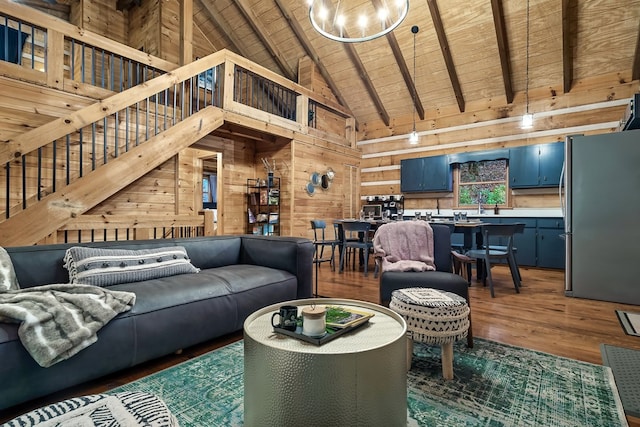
{"points": [[507, 213]]}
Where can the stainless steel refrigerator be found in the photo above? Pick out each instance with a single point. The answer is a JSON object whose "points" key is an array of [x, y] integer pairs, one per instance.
{"points": [[601, 205]]}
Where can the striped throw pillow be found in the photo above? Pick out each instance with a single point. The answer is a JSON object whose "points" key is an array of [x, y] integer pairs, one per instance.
{"points": [[105, 267]]}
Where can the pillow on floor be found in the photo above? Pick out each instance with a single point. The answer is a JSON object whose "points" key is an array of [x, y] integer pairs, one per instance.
{"points": [[8, 279], [105, 267]]}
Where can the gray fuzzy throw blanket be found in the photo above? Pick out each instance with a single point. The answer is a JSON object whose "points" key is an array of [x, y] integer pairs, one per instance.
{"points": [[57, 321]]}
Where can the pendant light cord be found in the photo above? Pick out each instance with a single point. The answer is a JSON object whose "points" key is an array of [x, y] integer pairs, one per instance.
{"points": [[414, 30]]}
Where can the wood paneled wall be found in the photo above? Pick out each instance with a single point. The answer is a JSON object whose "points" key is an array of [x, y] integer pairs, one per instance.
{"points": [[330, 204], [144, 27], [101, 17]]}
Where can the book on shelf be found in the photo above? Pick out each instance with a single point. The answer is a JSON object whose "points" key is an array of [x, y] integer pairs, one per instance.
{"points": [[273, 218], [252, 218], [342, 317], [274, 196], [263, 196]]}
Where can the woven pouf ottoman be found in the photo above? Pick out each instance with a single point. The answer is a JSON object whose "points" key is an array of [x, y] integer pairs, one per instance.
{"points": [[433, 317]]}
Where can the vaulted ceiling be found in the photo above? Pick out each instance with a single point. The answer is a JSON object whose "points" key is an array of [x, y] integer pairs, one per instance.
{"points": [[467, 51]]}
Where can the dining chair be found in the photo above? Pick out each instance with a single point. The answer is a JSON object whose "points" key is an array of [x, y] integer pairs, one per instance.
{"points": [[364, 242], [321, 242], [519, 230], [462, 264], [493, 233]]}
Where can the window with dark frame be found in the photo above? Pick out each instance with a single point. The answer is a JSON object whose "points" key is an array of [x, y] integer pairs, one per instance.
{"points": [[482, 182]]}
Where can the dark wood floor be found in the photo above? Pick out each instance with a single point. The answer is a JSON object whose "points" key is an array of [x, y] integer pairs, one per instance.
{"points": [[541, 318]]}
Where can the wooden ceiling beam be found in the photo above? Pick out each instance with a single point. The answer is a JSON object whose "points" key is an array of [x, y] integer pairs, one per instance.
{"points": [[366, 80], [569, 20], [253, 19], [212, 45], [306, 45], [446, 53], [503, 48], [236, 45], [402, 64]]}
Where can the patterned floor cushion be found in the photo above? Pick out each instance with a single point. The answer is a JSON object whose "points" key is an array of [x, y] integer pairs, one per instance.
{"points": [[131, 409]]}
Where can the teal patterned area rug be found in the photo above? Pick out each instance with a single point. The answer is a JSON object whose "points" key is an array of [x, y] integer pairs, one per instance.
{"points": [[493, 385]]}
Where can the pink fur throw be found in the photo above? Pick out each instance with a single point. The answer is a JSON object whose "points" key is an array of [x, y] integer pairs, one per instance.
{"points": [[405, 246]]}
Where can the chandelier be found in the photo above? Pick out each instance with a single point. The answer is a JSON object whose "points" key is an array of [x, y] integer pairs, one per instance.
{"points": [[336, 21]]}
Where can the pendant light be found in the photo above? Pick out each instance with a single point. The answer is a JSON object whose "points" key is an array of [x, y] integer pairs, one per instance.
{"points": [[413, 138], [527, 118]]}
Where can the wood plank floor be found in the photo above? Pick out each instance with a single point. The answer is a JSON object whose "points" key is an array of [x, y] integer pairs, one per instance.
{"points": [[541, 318]]}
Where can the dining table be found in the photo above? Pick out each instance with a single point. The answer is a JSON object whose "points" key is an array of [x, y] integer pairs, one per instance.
{"points": [[471, 229]]}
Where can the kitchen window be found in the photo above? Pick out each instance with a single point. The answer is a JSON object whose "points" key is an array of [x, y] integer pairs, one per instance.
{"points": [[483, 181]]}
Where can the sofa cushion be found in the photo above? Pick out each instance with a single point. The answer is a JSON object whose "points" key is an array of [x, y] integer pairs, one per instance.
{"points": [[106, 267], [159, 294], [8, 279]]}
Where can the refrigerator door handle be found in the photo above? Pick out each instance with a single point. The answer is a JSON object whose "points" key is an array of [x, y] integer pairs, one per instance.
{"points": [[560, 193]]}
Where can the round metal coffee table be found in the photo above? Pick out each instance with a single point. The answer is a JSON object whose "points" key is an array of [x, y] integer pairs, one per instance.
{"points": [[357, 379]]}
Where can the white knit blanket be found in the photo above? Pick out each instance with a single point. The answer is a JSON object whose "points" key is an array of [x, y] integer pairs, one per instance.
{"points": [[57, 321], [405, 246]]}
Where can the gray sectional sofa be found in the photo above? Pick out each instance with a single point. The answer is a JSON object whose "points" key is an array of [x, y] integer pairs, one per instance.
{"points": [[238, 275]]}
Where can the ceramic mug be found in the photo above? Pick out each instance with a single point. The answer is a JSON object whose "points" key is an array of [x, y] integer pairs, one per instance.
{"points": [[288, 318]]}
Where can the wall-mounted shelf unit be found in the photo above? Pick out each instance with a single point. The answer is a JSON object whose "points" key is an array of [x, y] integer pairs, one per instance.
{"points": [[263, 207]]}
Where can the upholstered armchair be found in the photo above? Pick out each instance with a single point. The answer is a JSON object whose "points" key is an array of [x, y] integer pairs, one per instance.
{"points": [[421, 243]]}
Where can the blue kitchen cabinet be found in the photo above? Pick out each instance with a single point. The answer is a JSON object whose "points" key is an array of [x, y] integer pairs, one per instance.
{"points": [[426, 174], [551, 158], [534, 166], [437, 174], [523, 166], [524, 243], [550, 244], [411, 175]]}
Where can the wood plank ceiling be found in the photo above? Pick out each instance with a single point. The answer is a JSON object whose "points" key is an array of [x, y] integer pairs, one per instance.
{"points": [[467, 50]]}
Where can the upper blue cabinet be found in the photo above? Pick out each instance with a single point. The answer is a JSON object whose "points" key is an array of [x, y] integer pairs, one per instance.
{"points": [[534, 166], [426, 174]]}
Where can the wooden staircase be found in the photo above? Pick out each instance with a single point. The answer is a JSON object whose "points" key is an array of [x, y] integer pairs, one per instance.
{"points": [[118, 157]]}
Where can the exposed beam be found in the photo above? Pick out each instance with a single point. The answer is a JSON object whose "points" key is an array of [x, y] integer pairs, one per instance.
{"points": [[402, 64], [368, 84], [212, 46], [569, 17], [253, 19], [306, 45], [236, 44], [446, 53], [635, 70], [503, 48]]}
